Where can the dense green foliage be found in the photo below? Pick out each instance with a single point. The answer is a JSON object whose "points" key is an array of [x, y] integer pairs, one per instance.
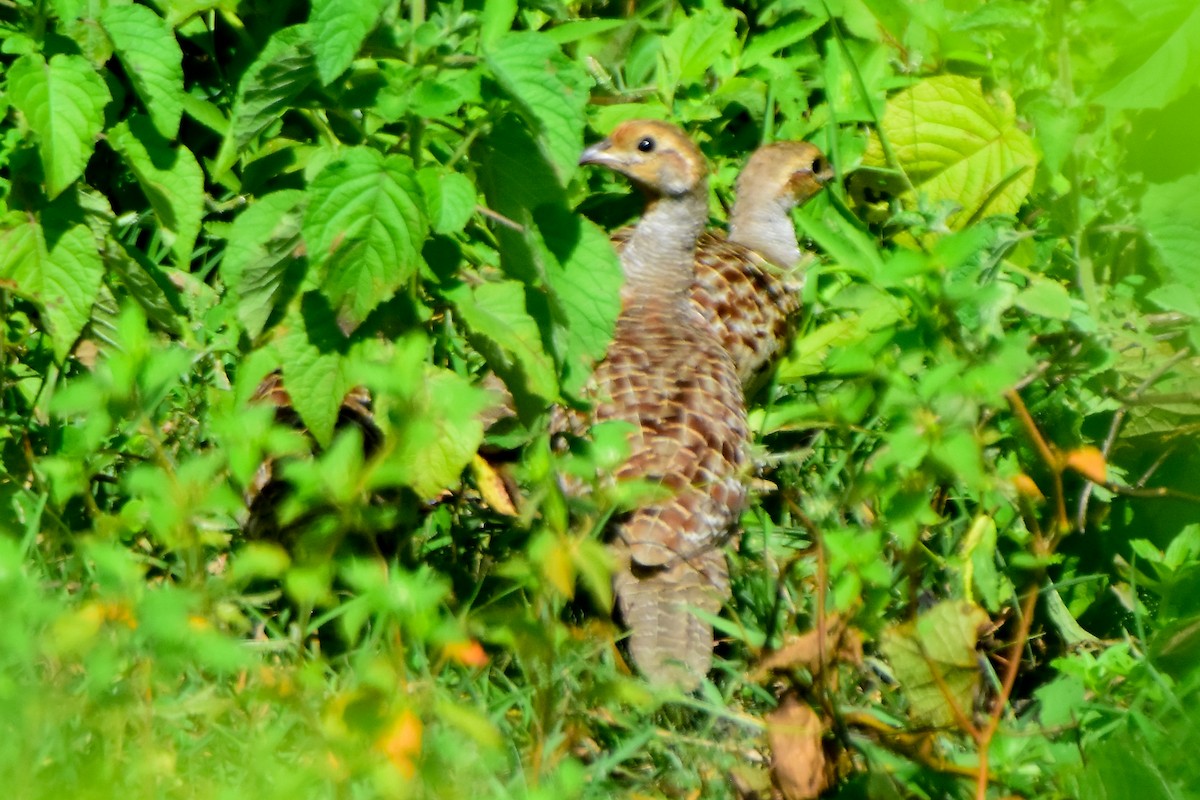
{"points": [[983, 443]]}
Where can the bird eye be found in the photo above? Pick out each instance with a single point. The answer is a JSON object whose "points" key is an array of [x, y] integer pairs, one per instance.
{"points": [[819, 164], [646, 145]]}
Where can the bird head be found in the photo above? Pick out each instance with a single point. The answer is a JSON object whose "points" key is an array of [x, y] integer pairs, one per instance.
{"points": [[790, 172], [657, 156]]}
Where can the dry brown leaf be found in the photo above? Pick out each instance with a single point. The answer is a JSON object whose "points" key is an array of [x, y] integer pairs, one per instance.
{"points": [[1089, 462], [797, 760], [805, 652]]}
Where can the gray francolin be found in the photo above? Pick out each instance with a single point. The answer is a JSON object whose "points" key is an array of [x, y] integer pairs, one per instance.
{"points": [[667, 374], [748, 283]]}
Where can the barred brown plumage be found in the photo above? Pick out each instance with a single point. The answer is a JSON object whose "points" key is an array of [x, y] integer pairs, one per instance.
{"points": [[668, 375], [747, 283]]}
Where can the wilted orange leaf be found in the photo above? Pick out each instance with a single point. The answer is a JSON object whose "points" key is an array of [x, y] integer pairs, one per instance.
{"points": [[469, 653], [1027, 488], [1089, 462], [401, 742], [797, 760]]}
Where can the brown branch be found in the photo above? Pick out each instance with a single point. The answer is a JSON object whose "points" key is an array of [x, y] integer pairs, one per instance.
{"points": [[1010, 678], [498, 217], [1052, 459]]}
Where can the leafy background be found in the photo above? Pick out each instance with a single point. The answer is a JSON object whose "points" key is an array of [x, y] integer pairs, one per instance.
{"points": [[975, 574]]}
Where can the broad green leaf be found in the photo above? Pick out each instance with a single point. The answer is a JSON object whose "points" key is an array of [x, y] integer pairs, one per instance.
{"points": [[516, 178], [285, 68], [449, 199], [63, 103], [261, 266], [146, 283], [496, 20], [1170, 214], [584, 275], [509, 339], [1158, 57], [53, 259], [1046, 298], [550, 90], [171, 180], [338, 30], [940, 643], [565, 259], [437, 432], [94, 42], [956, 145], [364, 228], [314, 355], [178, 12], [151, 57], [696, 44]]}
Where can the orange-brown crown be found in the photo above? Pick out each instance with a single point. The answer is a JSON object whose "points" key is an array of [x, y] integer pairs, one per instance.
{"points": [[657, 156], [789, 172]]}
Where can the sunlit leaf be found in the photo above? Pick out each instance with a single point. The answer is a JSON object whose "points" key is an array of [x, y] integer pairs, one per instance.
{"points": [[1158, 57], [55, 262], [63, 103], [509, 338], [338, 30], [956, 144], [313, 352], [171, 179], [261, 265], [449, 198], [550, 90], [285, 68], [364, 227], [152, 59]]}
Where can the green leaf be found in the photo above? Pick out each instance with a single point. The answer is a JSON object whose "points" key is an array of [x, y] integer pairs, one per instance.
{"points": [[436, 433], [510, 340], [314, 355], [1158, 57], [956, 145], [364, 228], [55, 262], [449, 198], [146, 283], [1046, 298], [261, 266], [180, 11], [942, 639], [338, 30], [551, 92], [63, 104], [496, 20], [151, 57], [585, 277], [1169, 215], [695, 44], [566, 261], [171, 179], [285, 68]]}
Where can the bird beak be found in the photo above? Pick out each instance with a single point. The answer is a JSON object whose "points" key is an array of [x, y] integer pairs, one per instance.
{"points": [[598, 154]]}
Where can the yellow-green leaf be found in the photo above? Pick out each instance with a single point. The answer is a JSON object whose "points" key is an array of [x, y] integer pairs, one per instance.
{"points": [[956, 144]]}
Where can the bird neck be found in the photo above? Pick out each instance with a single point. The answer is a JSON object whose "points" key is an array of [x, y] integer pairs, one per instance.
{"points": [[765, 226], [659, 257]]}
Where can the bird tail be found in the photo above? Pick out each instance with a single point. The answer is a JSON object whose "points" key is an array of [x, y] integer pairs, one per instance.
{"points": [[670, 644]]}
